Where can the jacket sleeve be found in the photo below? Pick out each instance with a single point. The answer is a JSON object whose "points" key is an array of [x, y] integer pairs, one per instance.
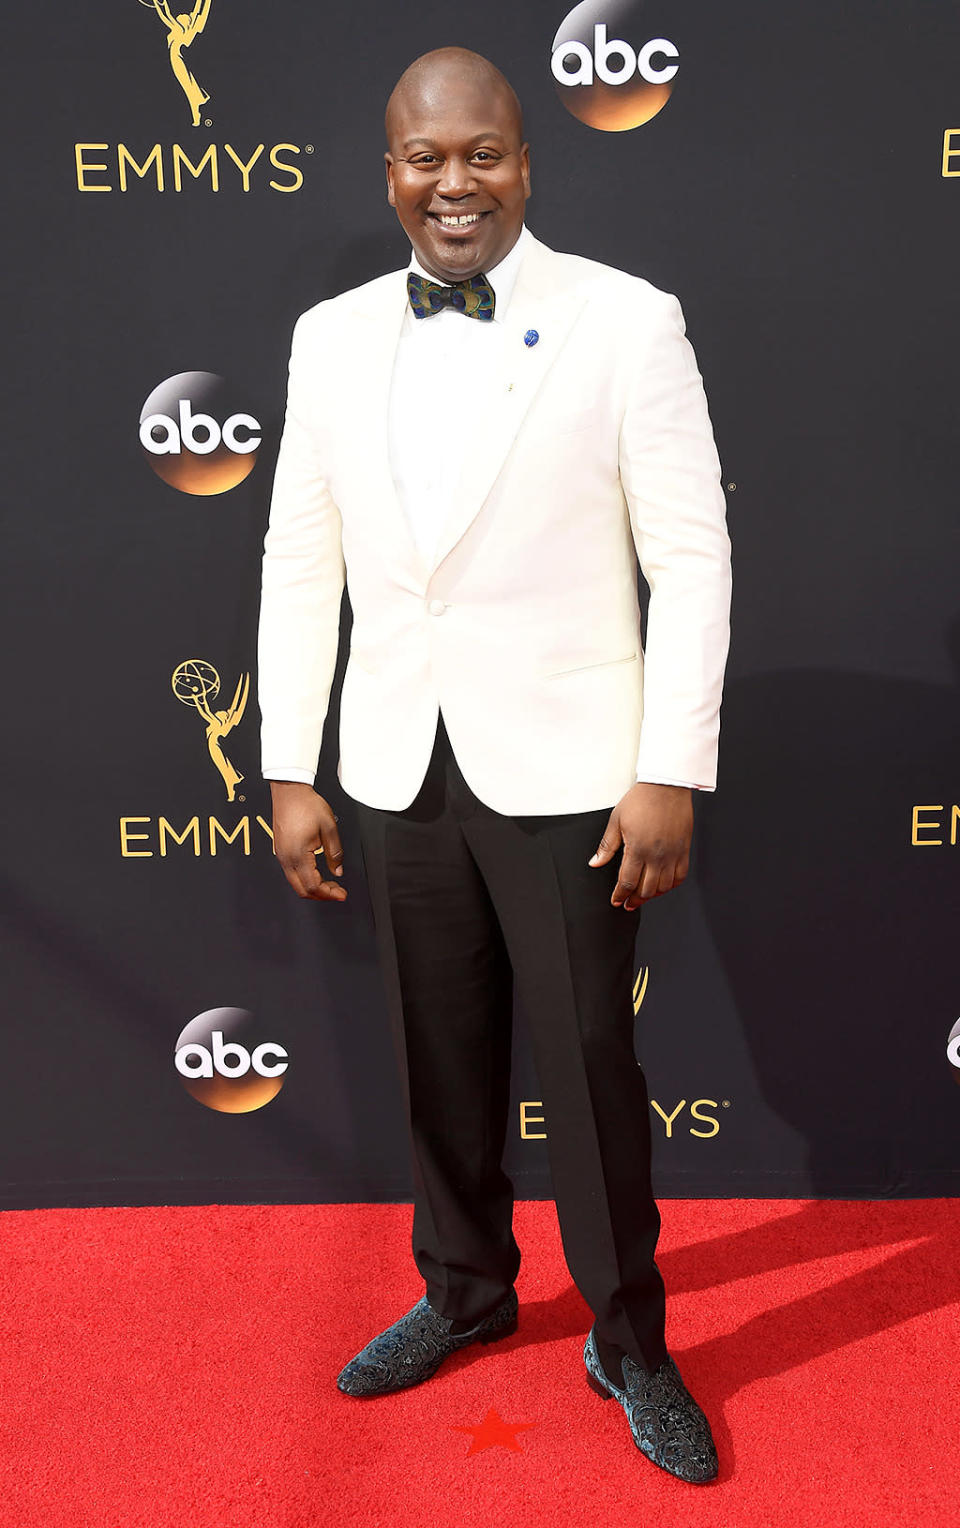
{"points": [[302, 586], [670, 473]]}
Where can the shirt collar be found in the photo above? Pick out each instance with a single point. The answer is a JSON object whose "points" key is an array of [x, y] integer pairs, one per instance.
{"points": [[502, 276]]}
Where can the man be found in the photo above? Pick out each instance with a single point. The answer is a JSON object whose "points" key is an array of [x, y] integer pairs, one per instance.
{"points": [[481, 447]]}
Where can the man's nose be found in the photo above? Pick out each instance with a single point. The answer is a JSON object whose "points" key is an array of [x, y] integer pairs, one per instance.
{"points": [[457, 179]]}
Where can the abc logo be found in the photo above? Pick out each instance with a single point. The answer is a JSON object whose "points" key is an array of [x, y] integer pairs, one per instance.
{"points": [[223, 1062], [195, 437], [953, 1048], [605, 79]]}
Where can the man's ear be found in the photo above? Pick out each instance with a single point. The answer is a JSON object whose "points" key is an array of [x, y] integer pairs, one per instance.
{"points": [[388, 162], [525, 169]]}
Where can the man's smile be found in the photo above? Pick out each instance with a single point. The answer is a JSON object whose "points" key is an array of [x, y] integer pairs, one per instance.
{"points": [[455, 221]]}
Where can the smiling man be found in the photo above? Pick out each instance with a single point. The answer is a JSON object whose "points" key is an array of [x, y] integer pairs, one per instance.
{"points": [[481, 447]]}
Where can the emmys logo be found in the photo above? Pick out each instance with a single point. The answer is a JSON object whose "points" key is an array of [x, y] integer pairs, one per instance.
{"points": [[185, 442], [932, 826], [702, 1113], [196, 683], [182, 30], [110, 166], [221, 1065], [953, 1049], [604, 80], [151, 835]]}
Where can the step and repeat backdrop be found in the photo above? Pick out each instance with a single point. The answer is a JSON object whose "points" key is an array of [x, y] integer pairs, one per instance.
{"points": [[181, 185]]}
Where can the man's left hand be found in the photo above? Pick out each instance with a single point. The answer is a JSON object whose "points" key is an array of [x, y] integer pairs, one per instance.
{"points": [[655, 825]]}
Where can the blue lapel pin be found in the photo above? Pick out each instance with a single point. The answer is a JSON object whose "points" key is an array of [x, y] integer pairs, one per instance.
{"points": [[530, 338]]}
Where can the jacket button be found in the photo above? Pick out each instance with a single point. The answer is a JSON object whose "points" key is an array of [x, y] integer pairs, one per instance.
{"points": [[436, 607]]}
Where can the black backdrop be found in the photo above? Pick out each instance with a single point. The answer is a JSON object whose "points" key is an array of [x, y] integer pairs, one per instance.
{"points": [[800, 990]]}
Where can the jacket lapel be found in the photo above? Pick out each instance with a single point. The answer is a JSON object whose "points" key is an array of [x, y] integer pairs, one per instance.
{"points": [[544, 299], [374, 338], [546, 303]]}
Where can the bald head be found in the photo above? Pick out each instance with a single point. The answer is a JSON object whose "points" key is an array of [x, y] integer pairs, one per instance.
{"points": [[448, 75]]}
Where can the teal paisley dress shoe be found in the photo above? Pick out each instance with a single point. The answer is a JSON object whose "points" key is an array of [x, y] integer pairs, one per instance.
{"points": [[413, 1349], [666, 1422]]}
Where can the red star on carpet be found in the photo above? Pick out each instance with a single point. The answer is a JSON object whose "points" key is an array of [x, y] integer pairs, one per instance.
{"points": [[494, 1432]]}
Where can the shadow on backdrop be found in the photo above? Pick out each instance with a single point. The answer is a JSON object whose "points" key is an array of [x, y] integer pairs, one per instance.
{"points": [[837, 934]]}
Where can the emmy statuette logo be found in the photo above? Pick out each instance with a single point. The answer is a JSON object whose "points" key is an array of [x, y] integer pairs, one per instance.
{"points": [[195, 437], [223, 1063], [120, 164], [612, 69], [182, 30], [196, 683], [155, 835]]}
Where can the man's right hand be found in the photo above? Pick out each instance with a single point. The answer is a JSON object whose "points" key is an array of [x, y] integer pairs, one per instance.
{"points": [[304, 822]]}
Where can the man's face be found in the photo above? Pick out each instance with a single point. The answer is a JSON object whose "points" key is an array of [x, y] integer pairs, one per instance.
{"points": [[458, 176]]}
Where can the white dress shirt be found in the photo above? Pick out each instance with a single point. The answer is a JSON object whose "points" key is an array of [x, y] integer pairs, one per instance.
{"points": [[441, 377], [440, 380]]}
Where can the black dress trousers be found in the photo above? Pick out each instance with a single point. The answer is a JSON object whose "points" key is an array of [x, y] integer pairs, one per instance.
{"points": [[468, 902]]}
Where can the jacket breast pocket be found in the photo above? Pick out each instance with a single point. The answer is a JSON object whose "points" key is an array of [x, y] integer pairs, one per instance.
{"points": [[551, 425], [593, 663], [570, 424]]}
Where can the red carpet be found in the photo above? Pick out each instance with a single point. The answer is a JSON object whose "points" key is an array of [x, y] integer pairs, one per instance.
{"points": [[174, 1368]]}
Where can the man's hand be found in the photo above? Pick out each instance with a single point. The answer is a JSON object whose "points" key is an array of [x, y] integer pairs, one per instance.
{"points": [[303, 823], [655, 825]]}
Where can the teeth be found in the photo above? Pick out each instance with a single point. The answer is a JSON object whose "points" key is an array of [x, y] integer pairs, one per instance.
{"points": [[459, 222]]}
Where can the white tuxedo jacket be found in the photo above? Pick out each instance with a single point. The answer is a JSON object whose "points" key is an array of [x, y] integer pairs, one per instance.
{"points": [[595, 450]]}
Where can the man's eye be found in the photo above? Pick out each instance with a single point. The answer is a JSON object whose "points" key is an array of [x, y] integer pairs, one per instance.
{"points": [[424, 161], [485, 157]]}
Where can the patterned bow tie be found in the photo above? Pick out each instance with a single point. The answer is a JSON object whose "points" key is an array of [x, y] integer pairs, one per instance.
{"points": [[475, 297]]}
